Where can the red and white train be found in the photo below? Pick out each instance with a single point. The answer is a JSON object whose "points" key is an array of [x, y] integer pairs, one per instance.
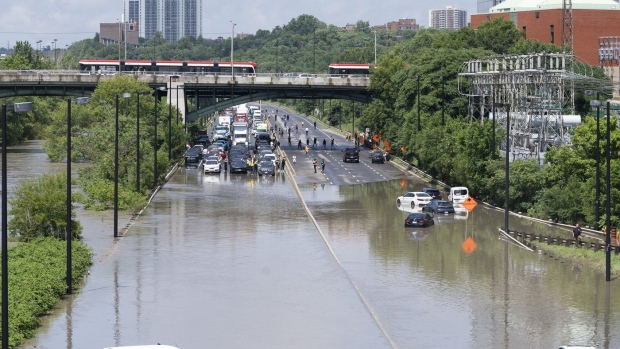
{"points": [[205, 67], [347, 69]]}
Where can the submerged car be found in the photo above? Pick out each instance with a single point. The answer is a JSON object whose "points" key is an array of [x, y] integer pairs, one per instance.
{"points": [[413, 198], [238, 165], [434, 192], [439, 206], [193, 154], [266, 167], [212, 166], [420, 219]]}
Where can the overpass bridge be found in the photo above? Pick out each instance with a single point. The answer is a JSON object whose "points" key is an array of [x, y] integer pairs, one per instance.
{"points": [[209, 92]]}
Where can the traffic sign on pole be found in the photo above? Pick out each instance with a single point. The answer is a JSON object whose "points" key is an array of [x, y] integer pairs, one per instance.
{"points": [[469, 204]]}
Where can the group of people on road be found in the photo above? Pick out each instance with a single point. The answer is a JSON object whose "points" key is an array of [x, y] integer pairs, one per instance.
{"points": [[315, 163]]}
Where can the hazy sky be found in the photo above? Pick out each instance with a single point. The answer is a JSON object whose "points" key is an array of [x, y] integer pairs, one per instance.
{"points": [[73, 20]]}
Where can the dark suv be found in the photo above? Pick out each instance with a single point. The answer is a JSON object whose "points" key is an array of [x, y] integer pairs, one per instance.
{"points": [[434, 192], [351, 154]]}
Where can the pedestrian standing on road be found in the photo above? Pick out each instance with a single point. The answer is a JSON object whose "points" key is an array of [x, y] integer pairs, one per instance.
{"points": [[307, 149], [324, 143], [306, 131], [283, 164], [315, 125], [314, 143], [289, 131], [289, 140], [577, 232], [332, 147], [294, 159], [323, 165], [298, 145], [314, 164], [296, 128], [307, 141], [225, 165], [302, 124]]}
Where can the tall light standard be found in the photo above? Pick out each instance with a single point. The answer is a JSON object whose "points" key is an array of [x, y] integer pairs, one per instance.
{"points": [[608, 194], [507, 166], [143, 93], [18, 108], [277, 53], [120, 95], [156, 121], [232, 51], [55, 50], [375, 46], [597, 103], [175, 77], [69, 234]]}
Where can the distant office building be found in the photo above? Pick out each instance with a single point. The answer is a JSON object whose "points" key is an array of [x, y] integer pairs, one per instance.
{"points": [[115, 33], [448, 18], [485, 5], [403, 24], [400, 25], [173, 18]]}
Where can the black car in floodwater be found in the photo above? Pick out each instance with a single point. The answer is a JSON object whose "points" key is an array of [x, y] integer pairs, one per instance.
{"points": [[419, 219], [439, 206], [238, 165], [266, 167], [193, 155]]}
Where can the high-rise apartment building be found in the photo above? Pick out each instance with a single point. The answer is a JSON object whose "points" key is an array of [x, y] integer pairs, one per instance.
{"points": [[173, 18], [448, 18]]}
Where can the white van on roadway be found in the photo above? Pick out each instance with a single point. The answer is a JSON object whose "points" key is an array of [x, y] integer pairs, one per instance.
{"points": [[458, 194]]}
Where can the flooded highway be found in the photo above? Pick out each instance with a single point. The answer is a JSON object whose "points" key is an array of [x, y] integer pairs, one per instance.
{"points": [[234, 261]]}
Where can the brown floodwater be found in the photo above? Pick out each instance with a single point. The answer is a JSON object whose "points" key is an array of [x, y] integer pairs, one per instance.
{"points": [[234, 261]]}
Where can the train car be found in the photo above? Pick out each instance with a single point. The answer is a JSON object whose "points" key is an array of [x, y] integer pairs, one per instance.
{"points": [[204, 67], [348, 69]]}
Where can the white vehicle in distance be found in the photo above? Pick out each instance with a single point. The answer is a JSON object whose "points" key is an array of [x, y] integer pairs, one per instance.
{"points": [[212, 165], [458, 195], [414, 198], [240, 138]]}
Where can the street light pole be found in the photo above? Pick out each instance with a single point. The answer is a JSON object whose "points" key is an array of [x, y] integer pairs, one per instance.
{"points": [[232, 51], [507, 181], [19, 108], [69, 234], [597, 204], [375, 47], [608, 204], [120, 95], [493, 126]]}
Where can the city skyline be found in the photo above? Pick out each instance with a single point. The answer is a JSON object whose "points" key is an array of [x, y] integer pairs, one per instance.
{"points": [[69, 21]]}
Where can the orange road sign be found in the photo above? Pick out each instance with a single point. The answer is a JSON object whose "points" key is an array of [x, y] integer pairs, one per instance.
{"points": [[469, 204]]}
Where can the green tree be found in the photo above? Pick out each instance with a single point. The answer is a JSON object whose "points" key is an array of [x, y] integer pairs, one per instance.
{"points": [[39, 209], [498, 35]]}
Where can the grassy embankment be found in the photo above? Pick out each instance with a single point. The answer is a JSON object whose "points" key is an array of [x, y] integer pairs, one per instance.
{"points": [[37, 281]]}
